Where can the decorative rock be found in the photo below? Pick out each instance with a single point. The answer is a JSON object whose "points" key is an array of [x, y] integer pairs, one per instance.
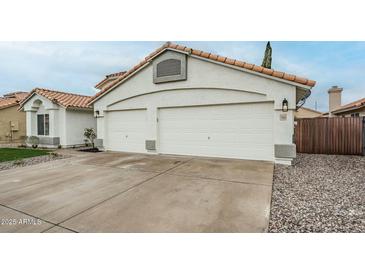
{"points": [[320, 193], [31, 161]]}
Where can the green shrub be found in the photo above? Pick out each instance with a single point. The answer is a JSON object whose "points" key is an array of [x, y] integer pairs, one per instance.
{"points": [[90, 135]]}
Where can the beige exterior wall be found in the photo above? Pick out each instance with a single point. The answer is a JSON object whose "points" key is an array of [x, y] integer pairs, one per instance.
{"points": [[11, 114], [306, 113]]}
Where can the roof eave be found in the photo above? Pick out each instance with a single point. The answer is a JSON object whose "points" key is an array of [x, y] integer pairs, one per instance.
{"points": [[347, 109], [118, 83], [9, 106], [26, 99], [79, 108]]}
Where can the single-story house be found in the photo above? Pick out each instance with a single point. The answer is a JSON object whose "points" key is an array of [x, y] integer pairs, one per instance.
{"points": [[12, 122], [57, 118], [304, 112], [184, 101], [353, 109]]}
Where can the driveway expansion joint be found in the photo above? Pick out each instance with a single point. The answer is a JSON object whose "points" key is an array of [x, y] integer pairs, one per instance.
{"points": [[30, 215], [219, 180], [72, 230]]}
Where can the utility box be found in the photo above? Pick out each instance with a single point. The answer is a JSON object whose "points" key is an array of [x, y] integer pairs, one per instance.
{"points": [[14, 125]]}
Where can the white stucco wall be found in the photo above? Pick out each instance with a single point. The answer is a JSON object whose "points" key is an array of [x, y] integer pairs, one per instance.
{"points": [[77, 121], [207, 83], [41, 105], [66, 124]]}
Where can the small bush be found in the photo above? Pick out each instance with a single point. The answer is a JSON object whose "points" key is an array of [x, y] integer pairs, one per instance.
{"points": [[90, 135]]}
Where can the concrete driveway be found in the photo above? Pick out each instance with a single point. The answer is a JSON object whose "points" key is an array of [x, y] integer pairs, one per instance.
{"points": [[125, 192]]}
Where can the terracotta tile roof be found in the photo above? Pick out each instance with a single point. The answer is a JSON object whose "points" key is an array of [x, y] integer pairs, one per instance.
{"points": [[12, 99], [354, 105], [110, 77], [65, 99], [211, 56]]}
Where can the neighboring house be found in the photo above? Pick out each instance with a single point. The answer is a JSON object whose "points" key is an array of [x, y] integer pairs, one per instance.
{"points": [[12, 122], [110, 78], [189, 102], [57, 118], [354, 109], [304, 112]]}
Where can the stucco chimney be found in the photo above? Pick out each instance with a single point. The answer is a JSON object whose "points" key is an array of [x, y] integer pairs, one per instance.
{"points": [[334, 96]]}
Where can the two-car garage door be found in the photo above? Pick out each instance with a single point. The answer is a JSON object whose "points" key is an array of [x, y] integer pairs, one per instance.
{"points": [[234, 131], [243, 131]]}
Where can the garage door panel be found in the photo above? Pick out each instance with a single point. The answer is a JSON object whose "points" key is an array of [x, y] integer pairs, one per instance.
{"points": [[227, 138], [200, 125], [126, 130], [234, 131], [239, 153]]}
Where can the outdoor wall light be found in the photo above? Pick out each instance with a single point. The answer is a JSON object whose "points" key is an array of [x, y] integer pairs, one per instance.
{"points": [[97, 113], [285, 105]]}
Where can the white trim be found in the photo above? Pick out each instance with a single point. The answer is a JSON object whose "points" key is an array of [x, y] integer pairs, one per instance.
{"points": [[218, 104], [187, 88], [124, 109]]}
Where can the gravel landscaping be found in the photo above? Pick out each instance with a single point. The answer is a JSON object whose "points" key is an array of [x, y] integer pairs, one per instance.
{"points": [[31, 161], [320, 193]]}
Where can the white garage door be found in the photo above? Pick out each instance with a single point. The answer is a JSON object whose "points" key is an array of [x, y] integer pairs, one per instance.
{"points": [[243, 131], [126, 130]]}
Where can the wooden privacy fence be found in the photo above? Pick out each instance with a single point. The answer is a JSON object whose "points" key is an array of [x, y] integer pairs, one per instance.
{"points": [[337, 135]]}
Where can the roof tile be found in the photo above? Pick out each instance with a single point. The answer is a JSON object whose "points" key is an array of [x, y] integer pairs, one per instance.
{"points": [[180, 47], [221, 59], [355, 104], [267, 71], [248, 66], [239, 63], [12, 99], [65, 99], [289, 77], [196, 52], [278, 74], [257, 68], [213, 56], [205, 54], [229, 61]]}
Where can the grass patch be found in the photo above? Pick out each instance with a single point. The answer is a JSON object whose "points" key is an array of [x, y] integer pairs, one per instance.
{"points": [[12, 154]]}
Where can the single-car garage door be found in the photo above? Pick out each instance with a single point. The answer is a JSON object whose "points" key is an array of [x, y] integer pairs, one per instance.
{"points": [[243, 131], [126, 130]]}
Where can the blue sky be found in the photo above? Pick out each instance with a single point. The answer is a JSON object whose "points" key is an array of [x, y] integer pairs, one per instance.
{"points": [[78, 66]]}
